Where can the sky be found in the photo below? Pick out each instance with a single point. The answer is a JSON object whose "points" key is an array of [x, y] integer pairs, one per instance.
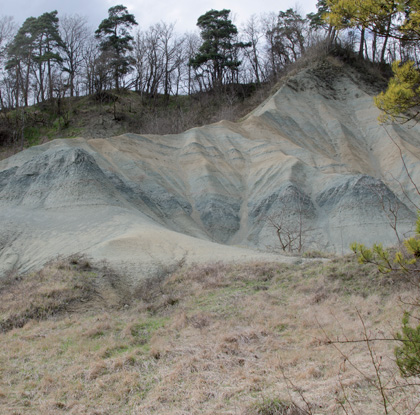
{"points": [[147, 12]]}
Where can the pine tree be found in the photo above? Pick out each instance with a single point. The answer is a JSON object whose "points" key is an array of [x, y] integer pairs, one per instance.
{"points": [[387, 18], [48, 43], [401, 100], [34, 50], [289, 39], [116, 40], [219, 48], [20, 53]]}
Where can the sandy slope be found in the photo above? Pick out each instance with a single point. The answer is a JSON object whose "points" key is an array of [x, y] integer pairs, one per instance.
{"points": [[314, 147]]}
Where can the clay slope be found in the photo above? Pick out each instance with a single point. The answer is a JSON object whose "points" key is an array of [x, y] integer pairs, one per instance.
{"points": [[312, 154]]}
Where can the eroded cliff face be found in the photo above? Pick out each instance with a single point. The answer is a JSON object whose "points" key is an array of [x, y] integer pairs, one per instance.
{"points": [[311, 158]]}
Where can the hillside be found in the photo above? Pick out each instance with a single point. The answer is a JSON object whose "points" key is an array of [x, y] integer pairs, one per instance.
{"points": [[111, 113], [312, 158], [249, 339], [145, 274]]}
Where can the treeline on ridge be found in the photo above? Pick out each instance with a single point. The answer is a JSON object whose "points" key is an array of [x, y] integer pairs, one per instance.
{"points": [[48, 59]]}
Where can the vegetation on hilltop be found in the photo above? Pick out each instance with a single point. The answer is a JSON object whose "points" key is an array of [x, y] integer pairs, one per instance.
{"points": [[137, 78], [398, 24]]}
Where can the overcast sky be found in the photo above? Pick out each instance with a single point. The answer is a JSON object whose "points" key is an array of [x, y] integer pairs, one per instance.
{"points": [[184, 12]]}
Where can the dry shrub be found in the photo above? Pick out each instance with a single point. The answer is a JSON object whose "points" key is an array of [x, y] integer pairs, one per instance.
{"points": [[275, 407], [150, 291], [45, 299], [179, 321]]}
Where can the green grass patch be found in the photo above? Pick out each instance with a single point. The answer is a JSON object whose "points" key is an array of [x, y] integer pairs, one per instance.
{"points": [[32, 135], [116, 350], [144, 330]]}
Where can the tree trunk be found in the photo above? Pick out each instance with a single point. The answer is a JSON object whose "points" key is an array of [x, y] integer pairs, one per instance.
{"points": [[362, 43], [26, 87], [71, 82], [116, 78], [50, 81], [17, 85], [375, 37], [22, 140], [331, 35], [386, 41]]}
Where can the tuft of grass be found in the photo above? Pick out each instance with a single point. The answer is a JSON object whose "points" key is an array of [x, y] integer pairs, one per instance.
{"points": [[275, 407]]}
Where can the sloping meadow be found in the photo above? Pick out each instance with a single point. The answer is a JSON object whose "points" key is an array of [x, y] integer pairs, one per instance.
{"points": [[206, 339]]}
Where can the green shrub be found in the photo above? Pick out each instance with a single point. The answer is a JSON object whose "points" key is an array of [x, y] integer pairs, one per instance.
{"points": [[32, 135], [406, 260], [408, 355]]}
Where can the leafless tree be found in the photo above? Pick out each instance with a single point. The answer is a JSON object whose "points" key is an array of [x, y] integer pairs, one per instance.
{"points": [[139, 53], [390, 204], [7, 31], [192, 44], [272, 63], [171, 48], [159, 56], [154, 61], [90, 62], [75, 34], [291, 220], [253, 34]]}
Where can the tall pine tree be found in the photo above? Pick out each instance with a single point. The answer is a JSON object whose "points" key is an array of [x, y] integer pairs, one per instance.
{"points": [[20, 59], [218, 52], [116, 40], [48, 44]]}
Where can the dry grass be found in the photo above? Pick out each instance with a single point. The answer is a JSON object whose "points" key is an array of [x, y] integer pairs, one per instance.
{"points": [[218, 339], [64, 286]]}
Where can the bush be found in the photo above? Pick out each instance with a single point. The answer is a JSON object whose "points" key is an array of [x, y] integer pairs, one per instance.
{"points": [[408, 355], [406, 260]]}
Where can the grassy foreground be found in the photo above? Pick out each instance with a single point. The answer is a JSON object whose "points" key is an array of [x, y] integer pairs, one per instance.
{"points": [[217, 339]]}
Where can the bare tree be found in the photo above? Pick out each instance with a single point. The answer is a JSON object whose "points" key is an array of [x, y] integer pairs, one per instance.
{"points": [[154, 59], [291, 220], [269, 22], [253, 35], [90, 62], [75, 35], [192, 44], [159, 57], [171, 46], [7, 32], [390, 204]]}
